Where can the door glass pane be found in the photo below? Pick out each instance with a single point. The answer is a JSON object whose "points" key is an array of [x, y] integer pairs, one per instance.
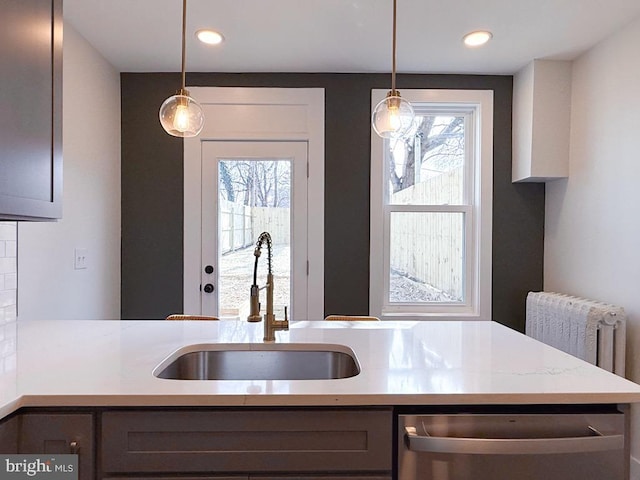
{"points": [[426, 257], [254, 197], [428, 168]]}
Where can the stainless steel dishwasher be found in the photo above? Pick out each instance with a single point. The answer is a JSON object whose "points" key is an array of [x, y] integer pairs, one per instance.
{"points": [[564, 446]]}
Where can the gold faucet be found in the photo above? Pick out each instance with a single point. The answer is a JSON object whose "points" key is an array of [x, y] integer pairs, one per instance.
{"points": [[271, 325]]}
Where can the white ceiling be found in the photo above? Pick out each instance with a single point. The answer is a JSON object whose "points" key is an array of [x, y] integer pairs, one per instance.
{"points": [[344, 35]]}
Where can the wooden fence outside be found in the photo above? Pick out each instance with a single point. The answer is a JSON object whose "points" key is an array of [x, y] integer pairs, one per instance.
{"points": [[430, 249], [274, 220], [240, 225]]}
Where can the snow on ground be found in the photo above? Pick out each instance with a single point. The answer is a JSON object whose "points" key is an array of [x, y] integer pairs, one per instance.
{"points": [[404, 289], [237, 276]]}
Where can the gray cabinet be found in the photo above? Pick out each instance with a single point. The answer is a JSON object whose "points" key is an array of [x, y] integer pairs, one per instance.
{"points": [[59, 433], [31, 109], [181, 477], [9, 435], [204, 443], [304, 444], [280, 477], [51, 433], [324, 477]]}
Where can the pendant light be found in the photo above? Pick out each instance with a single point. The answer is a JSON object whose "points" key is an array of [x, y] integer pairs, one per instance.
{"points": [[393, 116], [180, 115]]}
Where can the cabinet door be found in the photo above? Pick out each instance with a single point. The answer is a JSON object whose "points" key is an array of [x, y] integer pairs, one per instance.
{"points": [[325, 477], [9, 435], [249, 441], [287, 477], [31, 109], [181, 477], [59, 433]]}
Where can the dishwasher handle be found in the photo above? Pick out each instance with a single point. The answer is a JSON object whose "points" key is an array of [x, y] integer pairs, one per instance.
{"points": [[517, 446]]}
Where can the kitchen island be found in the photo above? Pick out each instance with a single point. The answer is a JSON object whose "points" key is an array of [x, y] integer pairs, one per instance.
{"points": [[94, 381], [110, 363]]}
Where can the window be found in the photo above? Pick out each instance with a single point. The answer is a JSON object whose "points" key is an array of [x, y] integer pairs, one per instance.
{"points": [[431, 210]]}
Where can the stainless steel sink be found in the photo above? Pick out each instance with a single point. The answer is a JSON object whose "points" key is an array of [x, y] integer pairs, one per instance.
{"points": [[285, 361]]}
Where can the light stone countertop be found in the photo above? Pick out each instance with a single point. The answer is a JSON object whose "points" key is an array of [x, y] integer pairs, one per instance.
{"points": [[110, 363]]}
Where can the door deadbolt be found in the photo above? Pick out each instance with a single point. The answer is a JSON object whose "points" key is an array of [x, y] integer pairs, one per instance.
{"points": [[208, 269]]}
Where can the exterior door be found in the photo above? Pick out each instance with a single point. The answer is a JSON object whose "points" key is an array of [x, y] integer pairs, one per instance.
{"points": [[249, 187]]}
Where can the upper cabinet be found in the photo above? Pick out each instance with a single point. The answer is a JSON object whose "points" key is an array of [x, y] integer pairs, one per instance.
{"points": [[541, 121], [31, 110]]}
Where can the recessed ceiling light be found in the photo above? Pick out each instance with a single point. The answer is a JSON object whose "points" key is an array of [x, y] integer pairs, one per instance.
{"points": [[475, 39], [210, 37]]}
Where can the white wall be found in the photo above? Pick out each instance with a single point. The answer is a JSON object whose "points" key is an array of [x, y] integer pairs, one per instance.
{"points": [[592, 224], [48, 285]]}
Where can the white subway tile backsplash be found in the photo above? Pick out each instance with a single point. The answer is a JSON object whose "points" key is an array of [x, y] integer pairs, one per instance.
{"points": [[8, 347], [11, 248], [8, 275], [7, 298], [8, 231], [8, 314], [8, 265], [10, 281]]}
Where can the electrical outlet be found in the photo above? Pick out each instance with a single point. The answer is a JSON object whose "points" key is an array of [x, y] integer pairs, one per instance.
{"points": [[81, 258]]}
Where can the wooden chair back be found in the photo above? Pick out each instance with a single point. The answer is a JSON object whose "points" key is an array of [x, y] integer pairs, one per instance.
{"points": [[351, 318], [176, 316]]}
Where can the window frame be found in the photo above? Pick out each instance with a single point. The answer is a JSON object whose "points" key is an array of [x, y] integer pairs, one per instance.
{"points": [[477, 210]]}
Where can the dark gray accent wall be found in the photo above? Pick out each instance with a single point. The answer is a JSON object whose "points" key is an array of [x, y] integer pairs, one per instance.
{"points": [[152, 191]]}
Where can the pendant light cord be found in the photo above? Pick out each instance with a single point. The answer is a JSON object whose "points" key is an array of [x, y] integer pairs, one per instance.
{"points": [[184, 49], [393, 56], [180, 115]]}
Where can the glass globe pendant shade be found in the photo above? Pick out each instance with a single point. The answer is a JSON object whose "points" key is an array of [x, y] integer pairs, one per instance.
{"points": [[181, 116], [393, 117]]}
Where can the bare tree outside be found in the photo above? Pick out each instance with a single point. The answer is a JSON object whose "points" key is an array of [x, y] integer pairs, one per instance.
{"points": [[435, 145], [264, 183], [427, 168]]}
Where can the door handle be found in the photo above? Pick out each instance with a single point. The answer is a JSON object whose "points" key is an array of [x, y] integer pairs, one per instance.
{"points": [[208, 288], [595, 442]]}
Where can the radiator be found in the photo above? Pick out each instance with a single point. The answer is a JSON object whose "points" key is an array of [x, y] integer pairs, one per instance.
{"points": [[590, 330]]}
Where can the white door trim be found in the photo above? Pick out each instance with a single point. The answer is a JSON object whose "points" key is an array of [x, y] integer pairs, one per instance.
{"points": [[245, 113]]}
